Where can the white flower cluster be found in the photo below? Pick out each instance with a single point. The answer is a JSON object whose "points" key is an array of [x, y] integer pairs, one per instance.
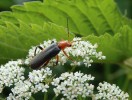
{"points": [[37, 76], [72, 85], [110, 92], [81, 51], [11, 73], [36, 82], [20, 91]]}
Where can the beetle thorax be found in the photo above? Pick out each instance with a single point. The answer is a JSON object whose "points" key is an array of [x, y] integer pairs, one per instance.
{"points": [[64, 44]]}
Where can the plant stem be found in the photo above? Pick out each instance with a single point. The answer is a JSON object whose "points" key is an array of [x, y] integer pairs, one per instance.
{"points": [[107, 71], [73, 68], [126, 84], [45, 96], [54, 98], [32, 98], [80, 98], [93, 97]]}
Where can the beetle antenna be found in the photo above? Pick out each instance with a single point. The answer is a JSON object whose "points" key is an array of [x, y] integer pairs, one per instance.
{"points": [[67, 28]]}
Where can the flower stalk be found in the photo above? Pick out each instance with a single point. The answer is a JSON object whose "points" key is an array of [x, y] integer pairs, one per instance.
{"points": [[45, 96]]}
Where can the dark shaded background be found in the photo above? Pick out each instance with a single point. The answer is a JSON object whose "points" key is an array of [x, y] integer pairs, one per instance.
{"points": [[125, 6]]}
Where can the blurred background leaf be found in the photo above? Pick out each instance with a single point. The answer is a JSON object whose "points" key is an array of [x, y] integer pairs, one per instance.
{"points": [[107, 15]]}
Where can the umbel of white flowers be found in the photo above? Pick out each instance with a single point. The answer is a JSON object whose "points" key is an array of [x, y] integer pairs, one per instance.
{"points": [[11, 73], [69, 85], [106, 91], [72, 85], [36, 82], [81, 51]]}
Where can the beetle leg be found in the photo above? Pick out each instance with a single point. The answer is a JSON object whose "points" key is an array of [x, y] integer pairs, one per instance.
{"points": [[46, 62], [66, 55], [36, 49], [57, 59]]}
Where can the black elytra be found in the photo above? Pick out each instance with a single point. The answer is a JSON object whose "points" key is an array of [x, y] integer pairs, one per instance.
{"points": [[40, 59]]}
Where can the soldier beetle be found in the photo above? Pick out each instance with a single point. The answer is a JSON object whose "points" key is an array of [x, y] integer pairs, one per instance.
{"points": [[43, 58]]}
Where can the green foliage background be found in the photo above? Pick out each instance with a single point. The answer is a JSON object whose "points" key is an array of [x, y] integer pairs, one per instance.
{"points": [[98, 21]]}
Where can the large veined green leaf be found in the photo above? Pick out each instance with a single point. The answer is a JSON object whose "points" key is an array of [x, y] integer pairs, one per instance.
{"points": [[85, 16], [116, 48], [15, 41], [27, 25]]}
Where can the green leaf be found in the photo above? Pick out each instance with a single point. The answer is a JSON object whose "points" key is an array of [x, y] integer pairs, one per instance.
{"points": [[116, 48], [15, 41], [7, 16], [29, 25], [85, 17]]}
